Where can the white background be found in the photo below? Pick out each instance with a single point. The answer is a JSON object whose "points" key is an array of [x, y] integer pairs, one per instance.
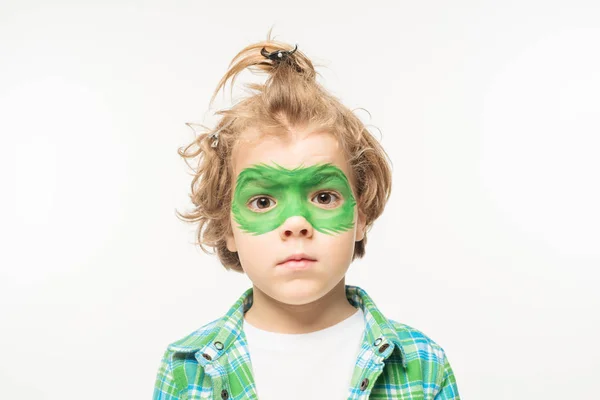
{"points": [[489, 244]]}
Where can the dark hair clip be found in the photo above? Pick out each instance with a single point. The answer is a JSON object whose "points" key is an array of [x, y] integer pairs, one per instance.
{"points": [[278, 55]]}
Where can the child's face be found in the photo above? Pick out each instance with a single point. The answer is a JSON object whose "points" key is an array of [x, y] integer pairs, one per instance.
{"points": [[280, 207]]}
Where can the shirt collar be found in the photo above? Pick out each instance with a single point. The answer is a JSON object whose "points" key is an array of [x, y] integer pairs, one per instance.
{"points": [[215, 338]]}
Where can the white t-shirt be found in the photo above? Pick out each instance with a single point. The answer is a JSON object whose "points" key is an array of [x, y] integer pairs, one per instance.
{"points": [[315, 365]]}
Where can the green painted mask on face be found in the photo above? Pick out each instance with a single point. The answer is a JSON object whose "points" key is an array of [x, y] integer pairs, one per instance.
{"points": [[293, 191]]}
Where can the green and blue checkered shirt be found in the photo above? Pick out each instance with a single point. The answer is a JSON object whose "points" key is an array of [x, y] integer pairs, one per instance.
{"points": [[395, 361]]}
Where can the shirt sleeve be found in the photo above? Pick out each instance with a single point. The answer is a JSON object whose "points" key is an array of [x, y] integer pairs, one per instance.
{"points": [[164, 386], [448, 387]]}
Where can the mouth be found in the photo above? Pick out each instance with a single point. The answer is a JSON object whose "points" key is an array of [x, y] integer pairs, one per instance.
{"points": [[297, 264], [297, 261]]}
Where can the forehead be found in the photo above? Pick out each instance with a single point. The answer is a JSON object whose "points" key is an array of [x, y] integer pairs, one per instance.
{"points": [[297, 149]]}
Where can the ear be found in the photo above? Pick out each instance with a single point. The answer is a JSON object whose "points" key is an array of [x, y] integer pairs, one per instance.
{"points": [[231, 242], [360, 226], [230, 239]]}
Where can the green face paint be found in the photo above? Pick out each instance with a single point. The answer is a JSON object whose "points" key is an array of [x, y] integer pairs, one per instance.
{"points": [[292, 192]]}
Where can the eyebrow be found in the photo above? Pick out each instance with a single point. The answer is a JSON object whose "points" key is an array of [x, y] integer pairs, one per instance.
{"points": [[315, 180]]}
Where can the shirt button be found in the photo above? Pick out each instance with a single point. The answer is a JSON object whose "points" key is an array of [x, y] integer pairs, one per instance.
{"points": [[364, 384], [224, 394], [206, 356], [382, 348]]}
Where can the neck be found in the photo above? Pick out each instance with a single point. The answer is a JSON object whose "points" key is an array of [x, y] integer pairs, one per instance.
{"points": [[272, 315]]}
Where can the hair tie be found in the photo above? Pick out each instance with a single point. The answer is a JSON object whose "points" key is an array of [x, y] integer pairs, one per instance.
{"points": [[278, 55], [215, 136]]}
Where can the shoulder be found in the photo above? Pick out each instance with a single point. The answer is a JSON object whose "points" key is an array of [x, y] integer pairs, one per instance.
{"points": [[414, 340], [195, 340], [429, 358], [179, 364], [181, 352], [422, 350]]}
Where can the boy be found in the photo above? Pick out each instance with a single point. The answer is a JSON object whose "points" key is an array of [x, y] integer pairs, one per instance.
{"points": [[287, 188]]}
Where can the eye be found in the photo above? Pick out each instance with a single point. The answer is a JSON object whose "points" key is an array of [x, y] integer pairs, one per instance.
{"points": [[262, 202], [324, 196]]}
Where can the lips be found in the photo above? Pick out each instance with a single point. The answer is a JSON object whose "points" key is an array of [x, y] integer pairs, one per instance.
{"points": [[297, 257], [297, 265]]}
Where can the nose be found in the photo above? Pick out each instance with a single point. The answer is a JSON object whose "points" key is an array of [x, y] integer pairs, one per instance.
{"points": [[296, 226]]}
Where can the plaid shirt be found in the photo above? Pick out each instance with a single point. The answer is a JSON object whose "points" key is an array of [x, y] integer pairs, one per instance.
{"points": [[395, 361]]}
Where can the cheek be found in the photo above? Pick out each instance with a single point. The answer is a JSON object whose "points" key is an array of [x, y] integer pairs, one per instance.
{"points": [[252, 248], [335, 249]]}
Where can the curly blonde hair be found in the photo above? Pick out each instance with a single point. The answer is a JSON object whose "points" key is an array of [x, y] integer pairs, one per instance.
{"points": [[290, 97]]}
